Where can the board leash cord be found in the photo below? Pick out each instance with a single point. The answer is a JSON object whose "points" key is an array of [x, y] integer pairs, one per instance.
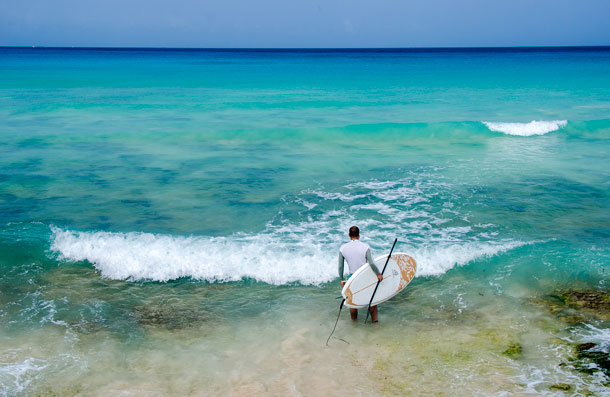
{"points": [[335, 327]]}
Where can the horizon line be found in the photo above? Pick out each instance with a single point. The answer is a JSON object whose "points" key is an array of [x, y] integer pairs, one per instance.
{"points": [[454, 48]]}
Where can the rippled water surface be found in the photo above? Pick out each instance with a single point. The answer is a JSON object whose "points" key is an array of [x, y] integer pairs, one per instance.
{"points": [[170, 220]]}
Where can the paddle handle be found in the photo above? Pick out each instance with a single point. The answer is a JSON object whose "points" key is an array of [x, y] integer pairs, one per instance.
{"points": [[378, 281]]}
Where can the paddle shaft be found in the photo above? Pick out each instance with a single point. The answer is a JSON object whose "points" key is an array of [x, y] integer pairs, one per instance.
{"points": [[378, 281]]}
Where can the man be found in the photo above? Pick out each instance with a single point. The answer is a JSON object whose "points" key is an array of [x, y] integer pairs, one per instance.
{"points": [[357, 254]]}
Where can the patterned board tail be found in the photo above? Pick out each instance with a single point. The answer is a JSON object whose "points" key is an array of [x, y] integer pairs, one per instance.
{"points": [[406, 271], [407, 267]]}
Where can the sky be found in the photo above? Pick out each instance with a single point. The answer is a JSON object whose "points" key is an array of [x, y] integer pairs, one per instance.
{"points": [[304, 23]]}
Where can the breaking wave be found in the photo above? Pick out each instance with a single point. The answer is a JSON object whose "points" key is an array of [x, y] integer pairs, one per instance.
{"points": [[300, 244], [527, 129], [145, 256]]}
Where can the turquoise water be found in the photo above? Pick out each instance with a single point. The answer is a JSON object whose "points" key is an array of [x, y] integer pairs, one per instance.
{"points": [[169, 220]]}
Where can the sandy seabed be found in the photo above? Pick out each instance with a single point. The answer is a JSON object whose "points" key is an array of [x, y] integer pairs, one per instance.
{"points": [[456, 341]]}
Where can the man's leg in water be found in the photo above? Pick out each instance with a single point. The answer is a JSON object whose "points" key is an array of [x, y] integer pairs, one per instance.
{"points": [[354, 314], [374, 313]]}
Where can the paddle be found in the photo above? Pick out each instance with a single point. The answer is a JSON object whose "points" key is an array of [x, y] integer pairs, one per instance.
{"points": [[384, 266]]}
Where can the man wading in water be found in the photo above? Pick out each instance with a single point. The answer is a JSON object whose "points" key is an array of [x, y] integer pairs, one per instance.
{"points": [[357, 254]]}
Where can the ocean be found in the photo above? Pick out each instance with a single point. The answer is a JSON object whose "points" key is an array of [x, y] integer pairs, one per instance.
{"points": [[170, 220]]}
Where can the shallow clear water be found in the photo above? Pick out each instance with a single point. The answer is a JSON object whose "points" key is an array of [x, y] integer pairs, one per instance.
{"points": [[169, 220]]}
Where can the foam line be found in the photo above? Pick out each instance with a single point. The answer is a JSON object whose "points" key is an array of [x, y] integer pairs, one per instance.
{"points": [[527, 129], [145, 256], [302, 248], [438, 260]]}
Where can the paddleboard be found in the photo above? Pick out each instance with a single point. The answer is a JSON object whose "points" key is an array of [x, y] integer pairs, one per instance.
{"points": [[358, 290]]}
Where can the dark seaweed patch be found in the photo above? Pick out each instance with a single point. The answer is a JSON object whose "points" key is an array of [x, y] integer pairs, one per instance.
{"points": [[170, 316], [576, 306]]}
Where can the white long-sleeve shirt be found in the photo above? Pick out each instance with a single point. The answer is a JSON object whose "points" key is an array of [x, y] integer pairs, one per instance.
{"points": [[356, 253]]}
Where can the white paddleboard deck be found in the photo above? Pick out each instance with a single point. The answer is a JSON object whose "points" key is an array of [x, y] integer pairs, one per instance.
{"points": [[358, 290]]}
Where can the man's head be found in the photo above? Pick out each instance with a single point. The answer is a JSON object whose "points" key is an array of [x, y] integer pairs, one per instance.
{"points": [[354, 232]]}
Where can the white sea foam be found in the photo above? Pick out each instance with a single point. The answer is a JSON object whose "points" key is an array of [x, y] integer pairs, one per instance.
{"points": [[527, 129], [303, 248], [336, 196], [537, 378], [16, 376], [137, 256], [600, 336], [433, 261]]}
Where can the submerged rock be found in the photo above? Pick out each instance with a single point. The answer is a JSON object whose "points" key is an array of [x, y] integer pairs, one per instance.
{"points": [[577, 306], [169, 316], [584, 346], [560, 386], [514, 350], [596, 301], [589, 359]]}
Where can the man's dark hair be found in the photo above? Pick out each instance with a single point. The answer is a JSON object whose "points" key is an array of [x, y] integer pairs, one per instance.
{"points": [[354, 231]]}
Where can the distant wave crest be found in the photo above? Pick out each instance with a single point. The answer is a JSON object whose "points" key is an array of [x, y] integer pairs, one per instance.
{"points": [[527, 129]]}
